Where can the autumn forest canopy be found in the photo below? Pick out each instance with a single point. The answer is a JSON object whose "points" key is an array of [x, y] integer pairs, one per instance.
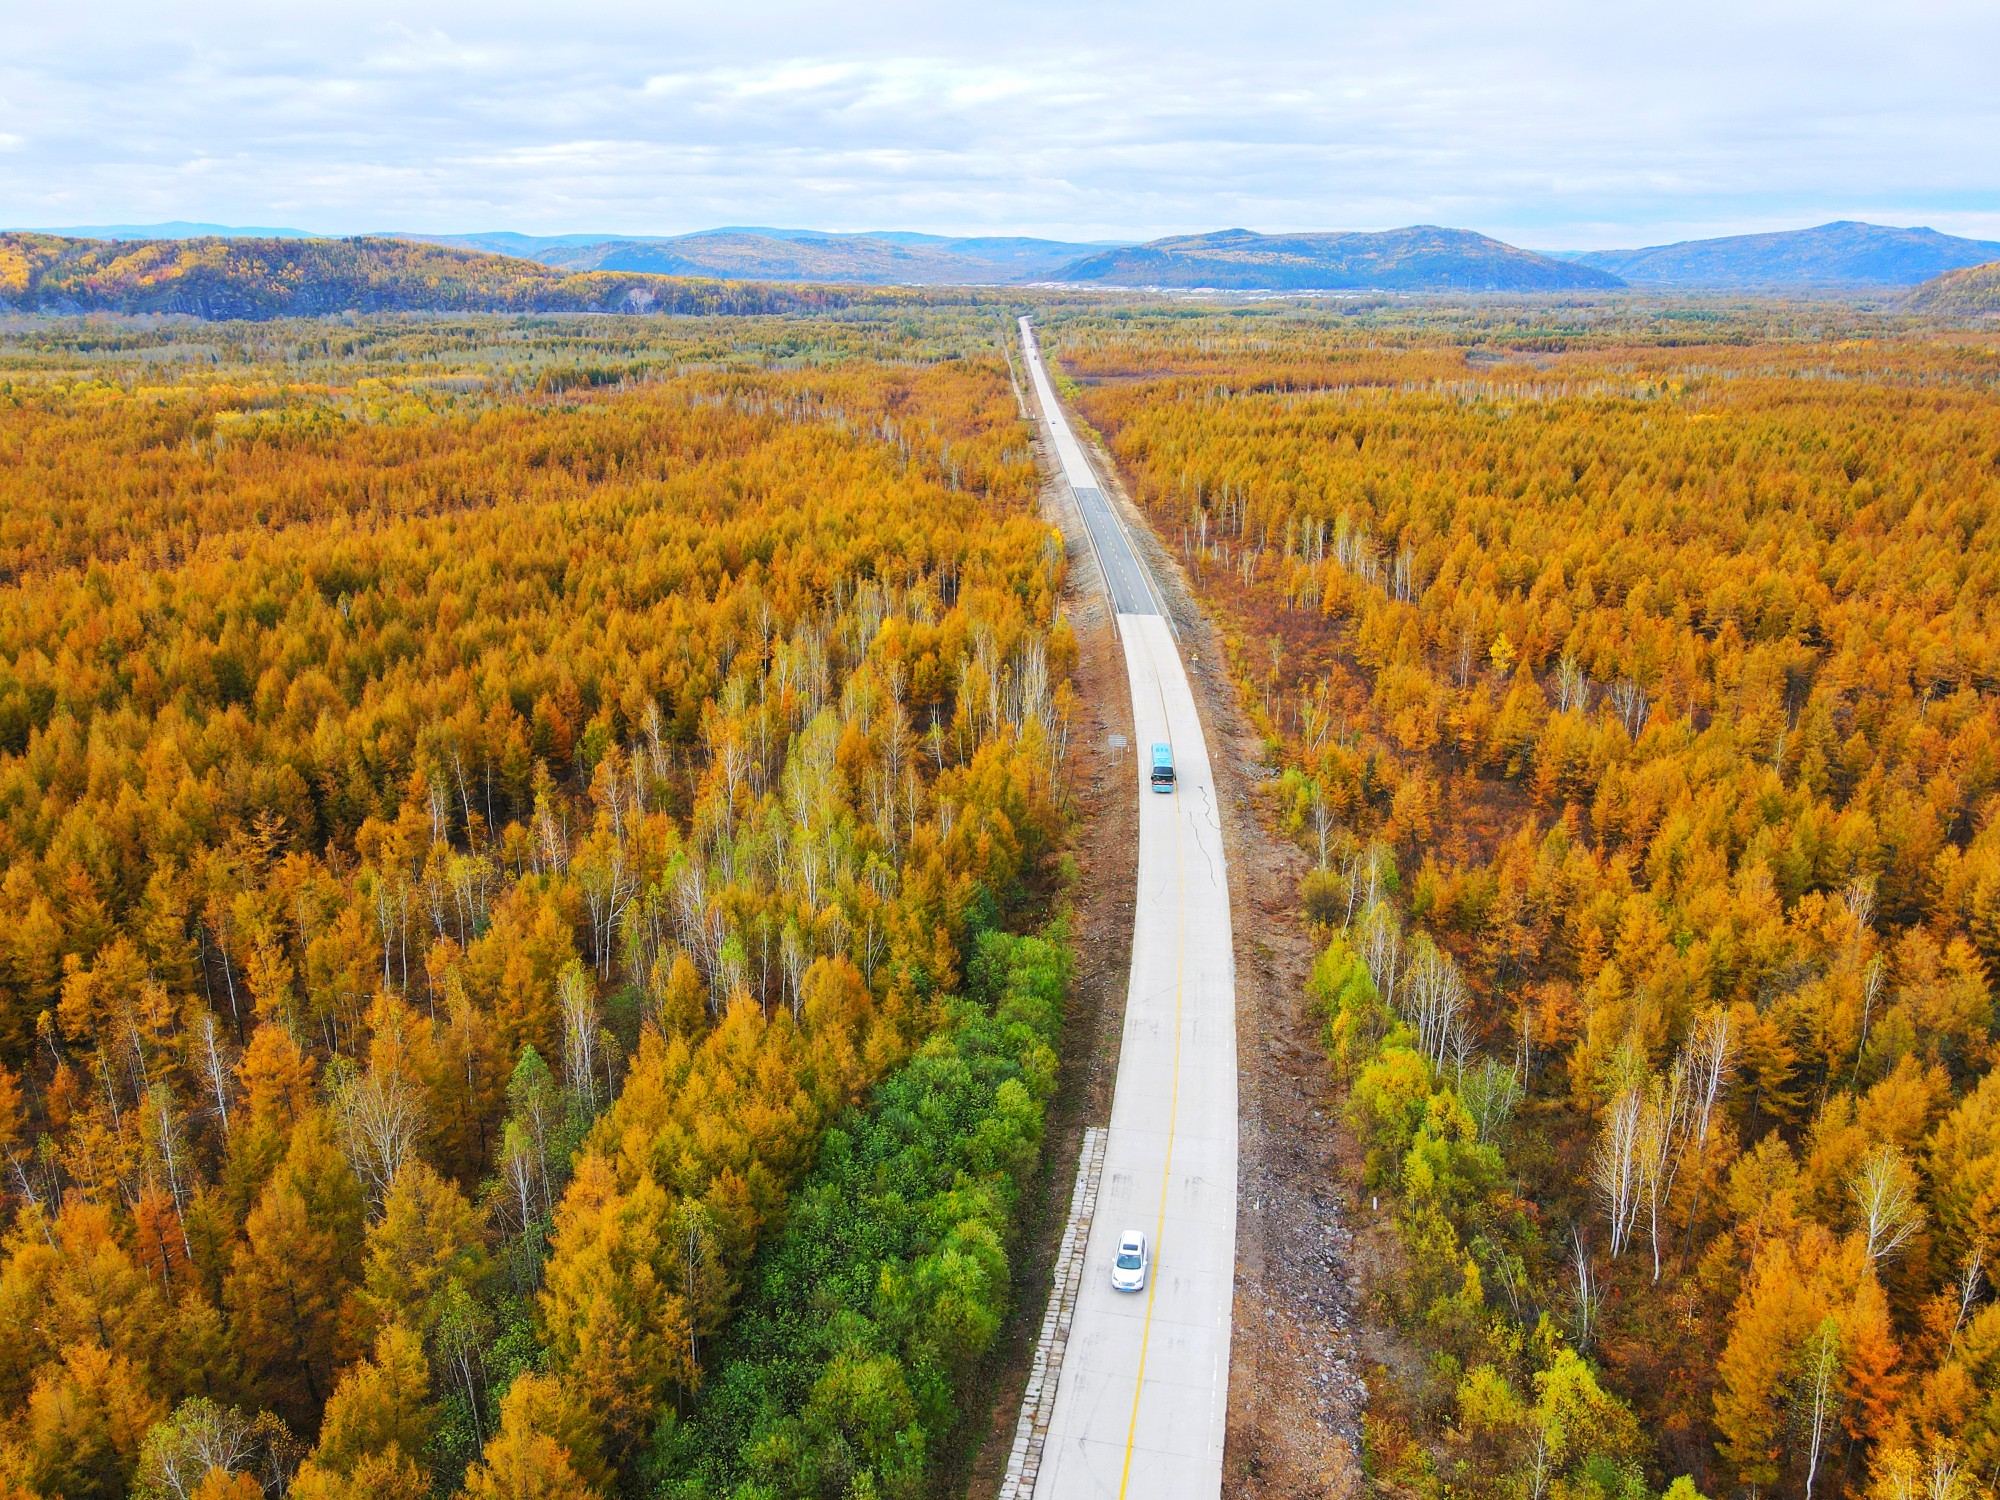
{"points": [[1632, 684], [535, 931], [485, 807]]}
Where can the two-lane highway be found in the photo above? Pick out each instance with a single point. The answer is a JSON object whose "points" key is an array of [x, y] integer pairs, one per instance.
{"points": [[1143, 1393]]}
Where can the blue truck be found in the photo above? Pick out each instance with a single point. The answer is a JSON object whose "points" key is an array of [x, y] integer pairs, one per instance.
{"points": [[1163, 768]]}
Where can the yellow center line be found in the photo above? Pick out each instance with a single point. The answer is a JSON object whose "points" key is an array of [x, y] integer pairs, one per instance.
{"points": [[1173, 1110]]}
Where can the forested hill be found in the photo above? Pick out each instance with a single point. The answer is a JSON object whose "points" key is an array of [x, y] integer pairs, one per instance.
{"points": [[1970, 291], [1845, 253], [1422, 258], [888, 259], [274, 278]]}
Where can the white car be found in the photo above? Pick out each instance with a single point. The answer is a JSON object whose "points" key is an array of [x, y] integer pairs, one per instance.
{"points": [[1129, 1266]]}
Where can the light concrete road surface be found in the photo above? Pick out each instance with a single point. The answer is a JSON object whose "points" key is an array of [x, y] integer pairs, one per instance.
{"points": [[1143, 1393]]}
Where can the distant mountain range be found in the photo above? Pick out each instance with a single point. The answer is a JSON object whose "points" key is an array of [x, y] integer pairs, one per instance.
{"points": [[884, 258], [1422, 258], [1419, 259], [177, 229], [159, 270], [1844, 253], [799, 255]]}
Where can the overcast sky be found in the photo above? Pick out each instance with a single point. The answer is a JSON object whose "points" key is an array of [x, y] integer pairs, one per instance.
{"points": [[1560, 125]]}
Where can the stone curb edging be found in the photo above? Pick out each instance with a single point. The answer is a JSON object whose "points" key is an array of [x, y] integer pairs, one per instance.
{"points": [[1038, 1401]]}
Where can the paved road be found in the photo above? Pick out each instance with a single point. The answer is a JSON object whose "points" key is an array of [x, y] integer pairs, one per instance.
{"points": [[1144, 1389], [1126, 577]]}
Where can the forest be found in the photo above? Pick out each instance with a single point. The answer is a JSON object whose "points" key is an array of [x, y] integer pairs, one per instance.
{"points": [[1969, 293], [257, 279], [1630, 679], [521, 843]]}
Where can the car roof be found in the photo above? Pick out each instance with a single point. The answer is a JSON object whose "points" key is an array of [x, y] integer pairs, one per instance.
{"points": [[1132, 1237]]}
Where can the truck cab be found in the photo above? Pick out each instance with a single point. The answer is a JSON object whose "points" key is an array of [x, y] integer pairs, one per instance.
{"points": [[1163, 768]]}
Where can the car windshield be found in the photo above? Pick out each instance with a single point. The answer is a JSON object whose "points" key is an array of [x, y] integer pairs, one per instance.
{"points": [[1129, 1259]]}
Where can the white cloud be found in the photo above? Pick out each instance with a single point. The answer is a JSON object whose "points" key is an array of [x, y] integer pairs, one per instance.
{"points": [[1583, 124]]}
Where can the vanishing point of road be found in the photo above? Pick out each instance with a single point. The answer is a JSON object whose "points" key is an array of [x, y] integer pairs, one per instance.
{"points": [[1141, 1401]]}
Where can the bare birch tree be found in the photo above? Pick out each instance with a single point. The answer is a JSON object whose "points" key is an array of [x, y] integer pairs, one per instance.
{"points": [[1435, 1003], [1572, 686], [1709, 1053], [520, 1171], [1664, 1122], [1614, 1165], [1628, 701], [380, 1114], [1871, 991], [1969, 1275], [580, 1033], [1490, 1093], [1588, 1295], [172, 1153], [1859, 899], [216, 1069], [200, 1438], [1381, 942], [1886, 1191], [1821, 1364]]}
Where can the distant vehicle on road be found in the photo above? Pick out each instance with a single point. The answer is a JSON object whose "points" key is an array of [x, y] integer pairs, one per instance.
{"points": [[1128, 1271], [1163, 768]]}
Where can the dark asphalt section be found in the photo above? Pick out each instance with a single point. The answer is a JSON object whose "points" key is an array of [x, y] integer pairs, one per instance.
{"points": [[1123, 571]]}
